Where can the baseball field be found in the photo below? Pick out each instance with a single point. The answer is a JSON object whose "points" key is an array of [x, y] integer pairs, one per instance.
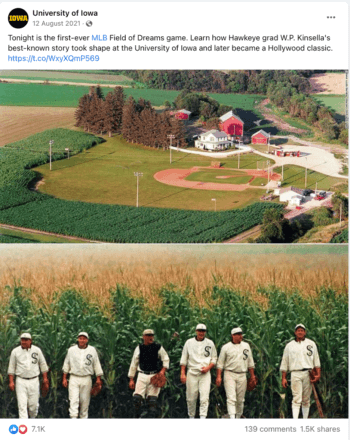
{"points": [[114, 294]]}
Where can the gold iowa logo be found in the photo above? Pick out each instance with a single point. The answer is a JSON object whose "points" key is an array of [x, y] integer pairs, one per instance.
{"points": [[18, 18]]}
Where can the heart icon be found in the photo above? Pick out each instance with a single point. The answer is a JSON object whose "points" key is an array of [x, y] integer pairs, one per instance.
{"points": [[22, 429]]}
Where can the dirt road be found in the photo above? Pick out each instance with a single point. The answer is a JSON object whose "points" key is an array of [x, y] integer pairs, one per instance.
{"points": [[61, 83]]}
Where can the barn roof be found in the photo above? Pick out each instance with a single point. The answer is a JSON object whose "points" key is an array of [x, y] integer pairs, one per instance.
{"points": [[215, 133], [262, 132], [184, 111], [229, 115]]}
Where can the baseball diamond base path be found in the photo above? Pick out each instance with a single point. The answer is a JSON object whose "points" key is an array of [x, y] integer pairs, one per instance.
{"points": [[176, 177]]}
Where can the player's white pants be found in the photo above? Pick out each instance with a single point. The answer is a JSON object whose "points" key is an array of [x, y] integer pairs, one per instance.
{"points": [[194, 385], [235, 387], [144, 387], [27, 392], [79, 396], [301, 389]]}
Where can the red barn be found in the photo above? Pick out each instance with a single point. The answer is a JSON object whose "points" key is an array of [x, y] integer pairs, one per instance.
{"points": [[231, 124], [183, 114], [261, 137]]}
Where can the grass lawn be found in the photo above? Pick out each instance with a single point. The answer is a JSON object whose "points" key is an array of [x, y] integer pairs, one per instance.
{"points": [[295, 176], [238, 177], [10, 236], [336, 103], [55, 95], [105, 174], [259, 181]]}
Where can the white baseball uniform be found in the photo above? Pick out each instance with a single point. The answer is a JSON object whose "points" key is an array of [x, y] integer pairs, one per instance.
{"points": [[235, 360], [143, 384], [81, 364], [195, 356], [299, 358], [26, 366]]}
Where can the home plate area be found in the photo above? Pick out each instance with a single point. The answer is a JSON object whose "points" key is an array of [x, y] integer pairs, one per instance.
{"points": [[176, 177]]}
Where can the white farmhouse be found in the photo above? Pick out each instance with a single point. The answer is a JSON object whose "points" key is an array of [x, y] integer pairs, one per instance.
{"points": [[213, 140]]}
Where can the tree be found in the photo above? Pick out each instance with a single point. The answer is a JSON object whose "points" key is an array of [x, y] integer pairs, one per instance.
{"points": [[129, 111], [81, 113], [340, 203], [113, 111], [275, 228]]}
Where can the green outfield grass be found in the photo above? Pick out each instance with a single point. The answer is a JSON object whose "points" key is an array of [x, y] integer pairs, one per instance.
{"points": [[105, 174], [238, 177], [295, 176]]}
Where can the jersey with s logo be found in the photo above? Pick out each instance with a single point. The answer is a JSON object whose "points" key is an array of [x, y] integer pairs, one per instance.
{"points": [[309, 350], [88, 359], [207, 351]]}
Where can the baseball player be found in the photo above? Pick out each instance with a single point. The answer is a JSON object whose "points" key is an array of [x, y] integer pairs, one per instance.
{"points": [[149, 359], [26, 362], [236, 359], [300, 357], [81, 363], [199, 356]]}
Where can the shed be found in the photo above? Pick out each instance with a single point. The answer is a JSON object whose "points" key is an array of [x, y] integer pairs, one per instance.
{"points": [[261, 137], [183, 114]]}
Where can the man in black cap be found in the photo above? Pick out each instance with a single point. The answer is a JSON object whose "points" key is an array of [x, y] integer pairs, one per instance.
{"points": [[149, 359]]}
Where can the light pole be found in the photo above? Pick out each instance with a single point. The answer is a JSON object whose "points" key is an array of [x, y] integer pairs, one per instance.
{"points": [[137, 175], [239, 155], [67, 149], [214, 200], [268, 172], [282, 172], [171, 137], [50, 152]]}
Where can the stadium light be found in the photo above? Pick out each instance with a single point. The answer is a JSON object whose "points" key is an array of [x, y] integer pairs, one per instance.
{"points": [[214, 200], [137, 175], [171, 137], [50, 153]]}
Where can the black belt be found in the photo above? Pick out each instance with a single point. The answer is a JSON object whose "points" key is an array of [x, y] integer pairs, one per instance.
{"points": [[28, 378], [304, 369], [148, 372]]}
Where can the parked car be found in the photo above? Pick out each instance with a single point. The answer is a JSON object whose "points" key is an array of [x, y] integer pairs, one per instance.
{"points": [[307, 192]]}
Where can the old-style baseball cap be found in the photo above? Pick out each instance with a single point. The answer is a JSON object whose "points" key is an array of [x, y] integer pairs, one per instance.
{"points": [[300, 325], [26, 336], [236, 330], [201, 327], [83, 334], [148, 332]]}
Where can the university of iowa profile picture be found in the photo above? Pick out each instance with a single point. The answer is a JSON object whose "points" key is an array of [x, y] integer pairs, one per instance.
{"points": [[18, 18]]}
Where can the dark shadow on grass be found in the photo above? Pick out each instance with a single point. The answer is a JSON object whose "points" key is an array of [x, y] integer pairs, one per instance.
{"points": [[168, 197], [83, 162]]}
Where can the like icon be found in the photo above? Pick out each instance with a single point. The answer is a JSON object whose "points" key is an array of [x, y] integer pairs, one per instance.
{"points": [[13, 429]]}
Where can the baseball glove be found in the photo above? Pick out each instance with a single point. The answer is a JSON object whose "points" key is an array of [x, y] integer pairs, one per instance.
{"points": [[96, 389], [44, 388], [158, 380], [252, 383]]}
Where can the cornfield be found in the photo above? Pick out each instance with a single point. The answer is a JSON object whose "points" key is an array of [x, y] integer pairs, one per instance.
{"points": [[267, 317]]}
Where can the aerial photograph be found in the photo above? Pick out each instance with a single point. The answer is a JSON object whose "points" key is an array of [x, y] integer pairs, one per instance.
{"points": [[173, 156]]}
